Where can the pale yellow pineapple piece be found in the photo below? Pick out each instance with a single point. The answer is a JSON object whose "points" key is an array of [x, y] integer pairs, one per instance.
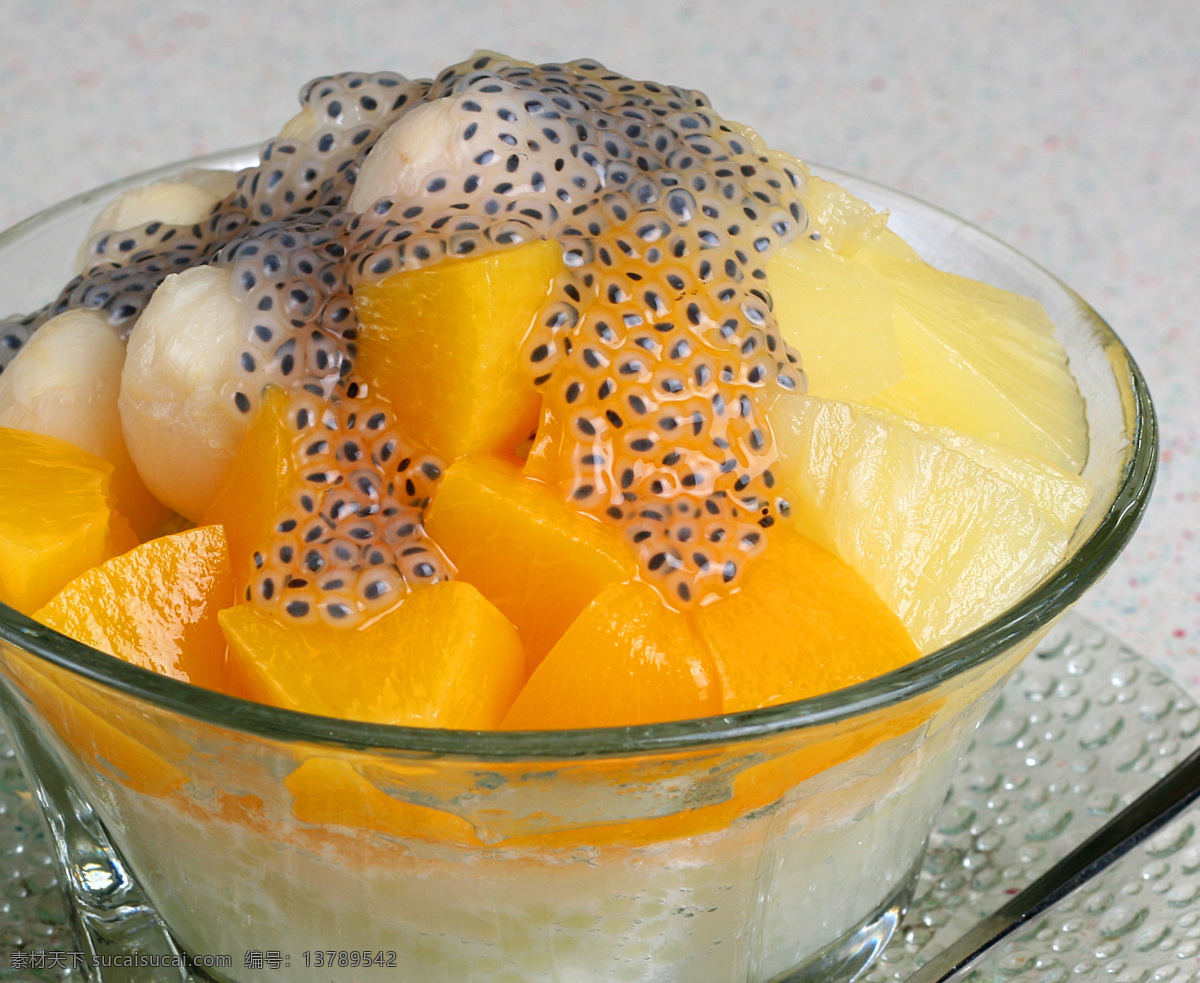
{"points": [[888, 243], [874, 323], [845, 224], [1063, 495], [945, 540], [842, 222], [982, 361], [838, 316]]}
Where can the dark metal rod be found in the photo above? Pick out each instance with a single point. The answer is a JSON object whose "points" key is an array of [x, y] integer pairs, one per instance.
{"points": [[1146, 815]]}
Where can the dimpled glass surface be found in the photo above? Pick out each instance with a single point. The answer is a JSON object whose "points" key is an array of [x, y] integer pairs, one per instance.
{"points": [[1080, 730], [33, 917]]}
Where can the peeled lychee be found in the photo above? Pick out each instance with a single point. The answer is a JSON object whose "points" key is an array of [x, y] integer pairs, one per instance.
{"points": [[422, 142], [186, 201], [64, 383], [181, 422]]}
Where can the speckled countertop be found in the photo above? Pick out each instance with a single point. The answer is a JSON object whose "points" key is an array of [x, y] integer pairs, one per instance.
{"points": [[1070, 131]]}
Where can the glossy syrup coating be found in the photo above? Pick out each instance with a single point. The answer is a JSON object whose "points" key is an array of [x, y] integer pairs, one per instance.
{"points": [[657, 350], [350, 543]]}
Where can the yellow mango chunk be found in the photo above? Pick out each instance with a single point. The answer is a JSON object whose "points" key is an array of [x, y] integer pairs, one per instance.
{"points": [[56, 516], [442, 346], [256, 485], [155, 606], [627, 659], [530, 553], [109, 733], [804, 623], [543, 462], [329, 792], [444, 657]]}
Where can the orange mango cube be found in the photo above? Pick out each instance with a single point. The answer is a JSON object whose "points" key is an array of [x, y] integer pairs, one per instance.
{"points": [[444, 657], [530, 553], [256, 485], [330, 792], [442, 346], [56, 516], [155, 606], [804, 623], [627, 659]]}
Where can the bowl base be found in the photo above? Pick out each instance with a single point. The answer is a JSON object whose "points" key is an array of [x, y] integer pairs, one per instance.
{"points": [[115, 923], [849, 957]]}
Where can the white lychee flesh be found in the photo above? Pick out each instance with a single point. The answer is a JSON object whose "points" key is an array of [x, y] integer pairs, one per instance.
{"points": [[64, 383], [183, 202], [422, 142], [177, 408]]}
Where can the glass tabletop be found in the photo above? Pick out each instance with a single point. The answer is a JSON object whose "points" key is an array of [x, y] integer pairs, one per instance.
{"points": [[1081, 729]]}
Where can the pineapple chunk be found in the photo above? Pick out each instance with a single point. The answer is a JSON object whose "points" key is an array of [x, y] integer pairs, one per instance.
{"points": [[843, 223], [874, 323], [946, 541], [838, 316], [982, 361]]}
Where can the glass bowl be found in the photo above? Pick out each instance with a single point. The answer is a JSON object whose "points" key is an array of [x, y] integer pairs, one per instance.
{"points": [[211, 837]]}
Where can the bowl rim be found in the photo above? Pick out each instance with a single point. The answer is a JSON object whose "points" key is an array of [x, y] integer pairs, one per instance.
{"points": [[1070, 578]]}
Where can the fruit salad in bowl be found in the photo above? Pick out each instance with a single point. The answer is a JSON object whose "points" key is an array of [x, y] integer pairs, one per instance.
{"points": [[518, 526]]}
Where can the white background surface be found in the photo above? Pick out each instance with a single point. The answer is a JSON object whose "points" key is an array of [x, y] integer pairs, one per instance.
{"points": [[1072, 131]]}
